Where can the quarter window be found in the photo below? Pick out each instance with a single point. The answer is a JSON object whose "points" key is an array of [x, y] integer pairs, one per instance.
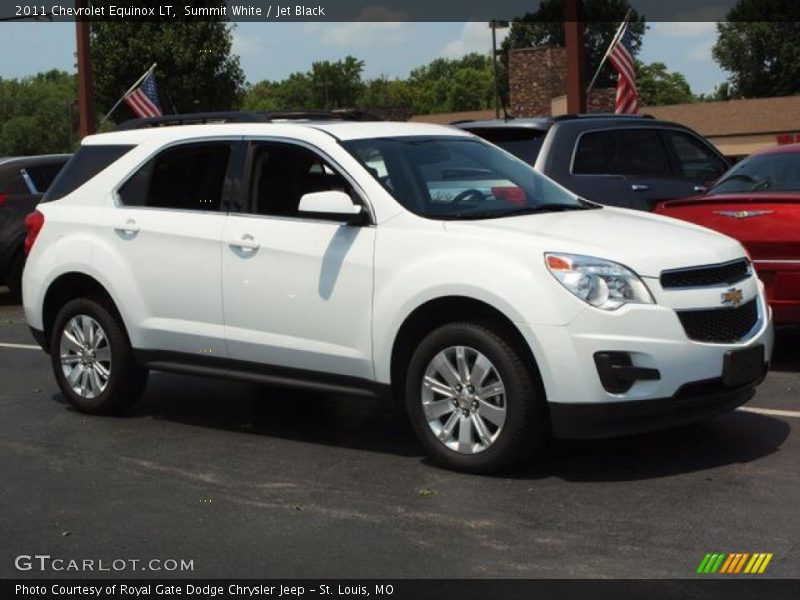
{"points": [[597, 154], [190, 177]]}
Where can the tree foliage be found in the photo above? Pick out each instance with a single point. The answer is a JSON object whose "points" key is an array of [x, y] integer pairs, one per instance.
{"points": [[444, 85], [196, 70], [658, 86], [38, 114], [545, 27], [759, 46]]}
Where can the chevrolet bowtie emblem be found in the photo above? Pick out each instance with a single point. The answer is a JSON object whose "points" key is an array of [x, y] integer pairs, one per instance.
{"points": [[742, 214], [733, 297]]}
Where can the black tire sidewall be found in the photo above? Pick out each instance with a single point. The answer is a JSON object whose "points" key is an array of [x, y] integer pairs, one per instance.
{"points": [[526, 422], [123, 385]]}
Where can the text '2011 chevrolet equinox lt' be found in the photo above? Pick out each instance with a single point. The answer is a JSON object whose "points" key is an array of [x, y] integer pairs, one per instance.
{"points": [[368, 257]]}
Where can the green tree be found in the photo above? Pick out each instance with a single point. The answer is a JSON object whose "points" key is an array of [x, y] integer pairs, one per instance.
{"points": [[38, 114], [658, 86], [545, 27], [447, 85], [759, 46], [336, 84], [385, 93], [196, 70]]}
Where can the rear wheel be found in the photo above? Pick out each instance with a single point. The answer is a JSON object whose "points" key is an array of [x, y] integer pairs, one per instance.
{"points": [[92, 358], [473, 401]]}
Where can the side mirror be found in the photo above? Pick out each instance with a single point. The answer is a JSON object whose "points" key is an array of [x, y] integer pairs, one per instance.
{"points": [[336, 206]]}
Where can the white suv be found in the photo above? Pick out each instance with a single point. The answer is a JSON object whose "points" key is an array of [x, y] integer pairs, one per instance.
{"points": [[370, 257]]}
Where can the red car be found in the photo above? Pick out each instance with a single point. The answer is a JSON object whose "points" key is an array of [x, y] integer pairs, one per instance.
{"points": [[758, 202]]}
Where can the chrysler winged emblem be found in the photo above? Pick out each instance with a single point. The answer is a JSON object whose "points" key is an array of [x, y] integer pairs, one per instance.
{"points": [[733, 297], [742, 214]]}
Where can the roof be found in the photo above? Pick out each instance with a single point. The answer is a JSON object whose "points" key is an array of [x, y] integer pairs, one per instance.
{"points": [[783, 149], [339, 129], [734, 117], [35, 159]]}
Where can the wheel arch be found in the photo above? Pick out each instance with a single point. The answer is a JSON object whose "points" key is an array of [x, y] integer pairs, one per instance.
{"points": [[69, 286], [448, 309]]}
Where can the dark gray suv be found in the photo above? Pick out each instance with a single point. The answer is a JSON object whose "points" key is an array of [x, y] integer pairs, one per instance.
{"points": [[629, 161]]}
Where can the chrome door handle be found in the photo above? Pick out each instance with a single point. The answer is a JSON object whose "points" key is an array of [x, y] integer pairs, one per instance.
{"points": [[640, 187], [129, 227], [246, 244], [700, 188]]}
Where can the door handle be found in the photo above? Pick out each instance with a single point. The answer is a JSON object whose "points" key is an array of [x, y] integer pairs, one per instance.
{"points": [[129, 227], [700, 188], [640, 187], [246, 244]]}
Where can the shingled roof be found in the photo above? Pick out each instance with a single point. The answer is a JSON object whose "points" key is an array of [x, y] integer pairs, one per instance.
{"points": [[734, 117]]}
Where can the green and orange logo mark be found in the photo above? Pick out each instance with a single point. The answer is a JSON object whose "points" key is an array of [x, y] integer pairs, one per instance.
{"points": [[736, 562]]}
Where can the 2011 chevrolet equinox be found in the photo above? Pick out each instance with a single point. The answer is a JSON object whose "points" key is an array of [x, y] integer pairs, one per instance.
{"points": [[361, 257]]}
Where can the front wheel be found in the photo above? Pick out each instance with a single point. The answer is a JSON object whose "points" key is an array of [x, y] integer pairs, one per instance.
{"points": [[473, 401], [92, 359]]}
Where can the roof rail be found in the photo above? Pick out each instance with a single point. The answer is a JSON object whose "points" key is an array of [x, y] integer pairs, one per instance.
{"points": [[599, 115], [247, 117]]}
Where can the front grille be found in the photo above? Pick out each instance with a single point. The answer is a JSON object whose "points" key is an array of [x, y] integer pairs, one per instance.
{"points": [[720, 325], [723, 274]]}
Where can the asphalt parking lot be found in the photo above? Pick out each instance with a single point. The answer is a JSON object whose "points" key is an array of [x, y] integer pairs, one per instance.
{"points": [[248, 481]]}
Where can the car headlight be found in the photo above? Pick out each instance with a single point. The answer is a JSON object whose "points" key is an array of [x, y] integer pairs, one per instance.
{"points": [[601, 283]]}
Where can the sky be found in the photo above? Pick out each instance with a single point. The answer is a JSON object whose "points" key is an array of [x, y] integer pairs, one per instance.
{"points": [[274, 50]]}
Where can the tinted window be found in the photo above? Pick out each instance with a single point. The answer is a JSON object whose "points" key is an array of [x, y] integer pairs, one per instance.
{"points": [[697, 161], [458, 178], [643, 153], [283, 173], [767, 172], [14, 184], [85, 164], [43, 175], [189, 177], [522, 142], [597, 154]]}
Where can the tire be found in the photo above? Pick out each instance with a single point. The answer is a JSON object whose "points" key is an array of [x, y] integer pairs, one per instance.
{"points": [[105, 380], [514, 423]]}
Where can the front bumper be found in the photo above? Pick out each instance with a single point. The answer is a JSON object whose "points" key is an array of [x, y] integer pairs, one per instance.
{"points": [[677, 380], [693, 402]]}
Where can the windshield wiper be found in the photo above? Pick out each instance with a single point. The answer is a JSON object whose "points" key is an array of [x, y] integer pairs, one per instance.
{"points": [[530, 210]]}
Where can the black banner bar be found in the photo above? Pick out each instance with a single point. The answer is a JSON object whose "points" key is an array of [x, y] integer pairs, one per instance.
{"points": [[344, 10], [718, 588]]}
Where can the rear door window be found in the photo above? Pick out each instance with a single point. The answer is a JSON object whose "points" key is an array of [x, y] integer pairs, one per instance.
{"points": [[186, 177], [644, 154], [85, 164]]}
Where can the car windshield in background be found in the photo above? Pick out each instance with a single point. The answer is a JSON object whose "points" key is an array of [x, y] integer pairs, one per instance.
{"points": [[459, 178], [765, 173], [522, 142]]}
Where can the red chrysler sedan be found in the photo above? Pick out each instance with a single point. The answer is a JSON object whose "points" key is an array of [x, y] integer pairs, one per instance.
{"points": [[758, 202]]}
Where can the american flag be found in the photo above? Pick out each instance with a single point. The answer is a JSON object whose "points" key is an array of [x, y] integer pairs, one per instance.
{"points": [[621, 58], [143, 101]]}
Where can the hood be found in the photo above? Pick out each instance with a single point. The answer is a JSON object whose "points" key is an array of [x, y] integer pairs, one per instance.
{"points": [[646, 243], [791, 198]]}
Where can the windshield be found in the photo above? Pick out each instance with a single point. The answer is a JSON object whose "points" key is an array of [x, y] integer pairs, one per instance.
{"points": [[767, 172], [459, 178]]}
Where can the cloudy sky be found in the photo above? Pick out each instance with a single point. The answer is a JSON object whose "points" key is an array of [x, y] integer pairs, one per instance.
{"points": [[274, 50]]}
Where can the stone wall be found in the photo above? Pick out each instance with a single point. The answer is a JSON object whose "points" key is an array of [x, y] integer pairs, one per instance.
{"points": [[538, 76], [535, 77]]}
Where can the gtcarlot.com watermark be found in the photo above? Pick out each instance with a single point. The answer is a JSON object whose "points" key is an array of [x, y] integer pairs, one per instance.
{"points": [[47, 563]]}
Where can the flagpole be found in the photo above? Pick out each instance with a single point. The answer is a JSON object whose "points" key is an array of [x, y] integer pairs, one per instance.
{"points": [[608, 51], [130, 89]]}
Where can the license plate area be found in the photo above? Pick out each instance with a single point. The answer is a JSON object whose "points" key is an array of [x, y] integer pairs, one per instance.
{"points": [[743, 366]]}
